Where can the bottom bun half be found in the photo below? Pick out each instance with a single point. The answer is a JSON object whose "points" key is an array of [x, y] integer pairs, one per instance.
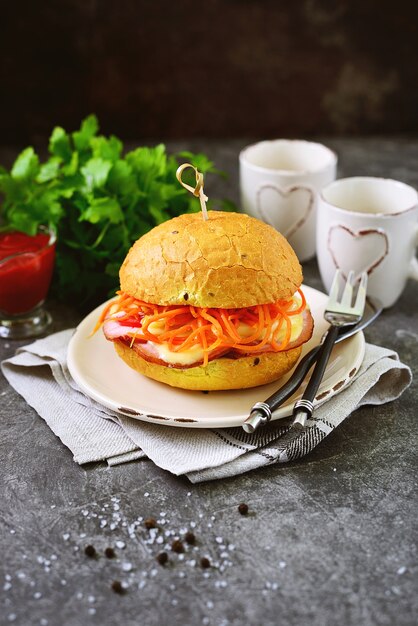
{"points": [[219, 374]]}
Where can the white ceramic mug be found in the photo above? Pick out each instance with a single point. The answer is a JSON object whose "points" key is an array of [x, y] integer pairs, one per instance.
{"points": [[279, 184], [369, 224]]}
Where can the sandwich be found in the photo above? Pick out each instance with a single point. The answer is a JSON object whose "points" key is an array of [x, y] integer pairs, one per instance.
{"points": [[210, 304]]}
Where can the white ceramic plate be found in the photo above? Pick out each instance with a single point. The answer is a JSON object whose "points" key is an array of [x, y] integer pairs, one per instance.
{"points": [[102, 375]]}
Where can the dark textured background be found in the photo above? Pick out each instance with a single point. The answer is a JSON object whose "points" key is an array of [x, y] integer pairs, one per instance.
{"points": [[219, 68]]}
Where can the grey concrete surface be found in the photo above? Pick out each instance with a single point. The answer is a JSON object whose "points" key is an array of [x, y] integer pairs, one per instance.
{"points": [[328, 540]]}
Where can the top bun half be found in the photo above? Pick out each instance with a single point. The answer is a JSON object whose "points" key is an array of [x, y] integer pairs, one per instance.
{"points": [[230, 260]]}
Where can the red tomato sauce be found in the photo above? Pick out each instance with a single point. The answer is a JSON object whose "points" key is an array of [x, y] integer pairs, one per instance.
{"points": [[26, 265]]}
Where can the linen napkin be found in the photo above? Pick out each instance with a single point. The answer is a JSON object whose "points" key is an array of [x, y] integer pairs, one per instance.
{"points": [[92, 432]]}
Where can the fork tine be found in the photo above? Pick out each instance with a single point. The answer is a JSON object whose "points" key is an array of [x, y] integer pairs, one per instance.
{"points": [[361, 293], [348, 290], [335, 287]]}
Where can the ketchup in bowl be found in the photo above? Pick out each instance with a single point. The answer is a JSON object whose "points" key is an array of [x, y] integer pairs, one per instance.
{"points": [[26, 265]]}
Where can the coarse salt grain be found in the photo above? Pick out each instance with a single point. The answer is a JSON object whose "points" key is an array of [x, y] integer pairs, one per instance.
{"points": [[66, 536], [37, 595], [401, 570], [282, 564], [11, 617], [120, 544], [92, 610], [146, 494], [103, 523], [7, 586], [91, 599], [12, 531], [219, 540], [126, 567]]}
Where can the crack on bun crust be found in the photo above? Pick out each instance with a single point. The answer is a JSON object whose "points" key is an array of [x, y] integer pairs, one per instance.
{"points": [[231, 260]]}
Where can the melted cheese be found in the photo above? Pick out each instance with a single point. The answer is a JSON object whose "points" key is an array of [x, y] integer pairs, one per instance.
{"points": [[185, 357]]}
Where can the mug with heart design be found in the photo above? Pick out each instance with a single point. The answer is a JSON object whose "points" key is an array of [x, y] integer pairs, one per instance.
{"points": [[369, 224], [279, 184]]}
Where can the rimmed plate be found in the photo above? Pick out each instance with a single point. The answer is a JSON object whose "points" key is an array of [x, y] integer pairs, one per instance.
{"points": [[102, 375]]}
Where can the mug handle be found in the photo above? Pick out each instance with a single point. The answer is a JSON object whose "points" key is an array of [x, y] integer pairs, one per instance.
{"points": [[413, 266]]}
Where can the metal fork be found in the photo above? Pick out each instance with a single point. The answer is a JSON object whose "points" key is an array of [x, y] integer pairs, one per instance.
{"points": [[339, 313]]}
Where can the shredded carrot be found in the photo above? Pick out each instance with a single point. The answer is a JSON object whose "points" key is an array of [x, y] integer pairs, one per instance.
{"points": [[248, 330]]}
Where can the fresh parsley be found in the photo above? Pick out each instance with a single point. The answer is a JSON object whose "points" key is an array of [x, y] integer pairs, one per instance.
{"points": [[98, 199]]}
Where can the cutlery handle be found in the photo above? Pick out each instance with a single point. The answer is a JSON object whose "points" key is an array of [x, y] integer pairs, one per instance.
{"points": [[306, 402], [261, 411], [298, 376]]}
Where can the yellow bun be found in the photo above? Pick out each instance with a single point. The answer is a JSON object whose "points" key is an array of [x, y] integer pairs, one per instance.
{"points": [[229, 261], [222, 373]]}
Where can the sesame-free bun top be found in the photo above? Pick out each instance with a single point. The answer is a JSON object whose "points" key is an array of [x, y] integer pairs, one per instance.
{"points": [[231, 260]]}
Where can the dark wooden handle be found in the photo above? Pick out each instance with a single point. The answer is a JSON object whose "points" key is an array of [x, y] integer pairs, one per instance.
{"points": [[321, 363]]}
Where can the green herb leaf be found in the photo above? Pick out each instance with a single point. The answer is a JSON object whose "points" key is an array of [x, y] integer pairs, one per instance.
{"points": [[26, 165], [101, 209], [88, 130], [49, 170], [59, 144], [95, 172]]}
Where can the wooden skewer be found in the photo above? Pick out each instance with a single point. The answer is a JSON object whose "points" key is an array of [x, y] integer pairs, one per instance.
{"points": [[197, 190]]}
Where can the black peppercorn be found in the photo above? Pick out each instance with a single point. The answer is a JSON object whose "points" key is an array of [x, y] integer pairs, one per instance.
{"points": [[190, 538], [243, 508], [117, 587], [150, 523], [110, 553], [90, 551], [204, 562], [162, 558], [177, 546]]}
